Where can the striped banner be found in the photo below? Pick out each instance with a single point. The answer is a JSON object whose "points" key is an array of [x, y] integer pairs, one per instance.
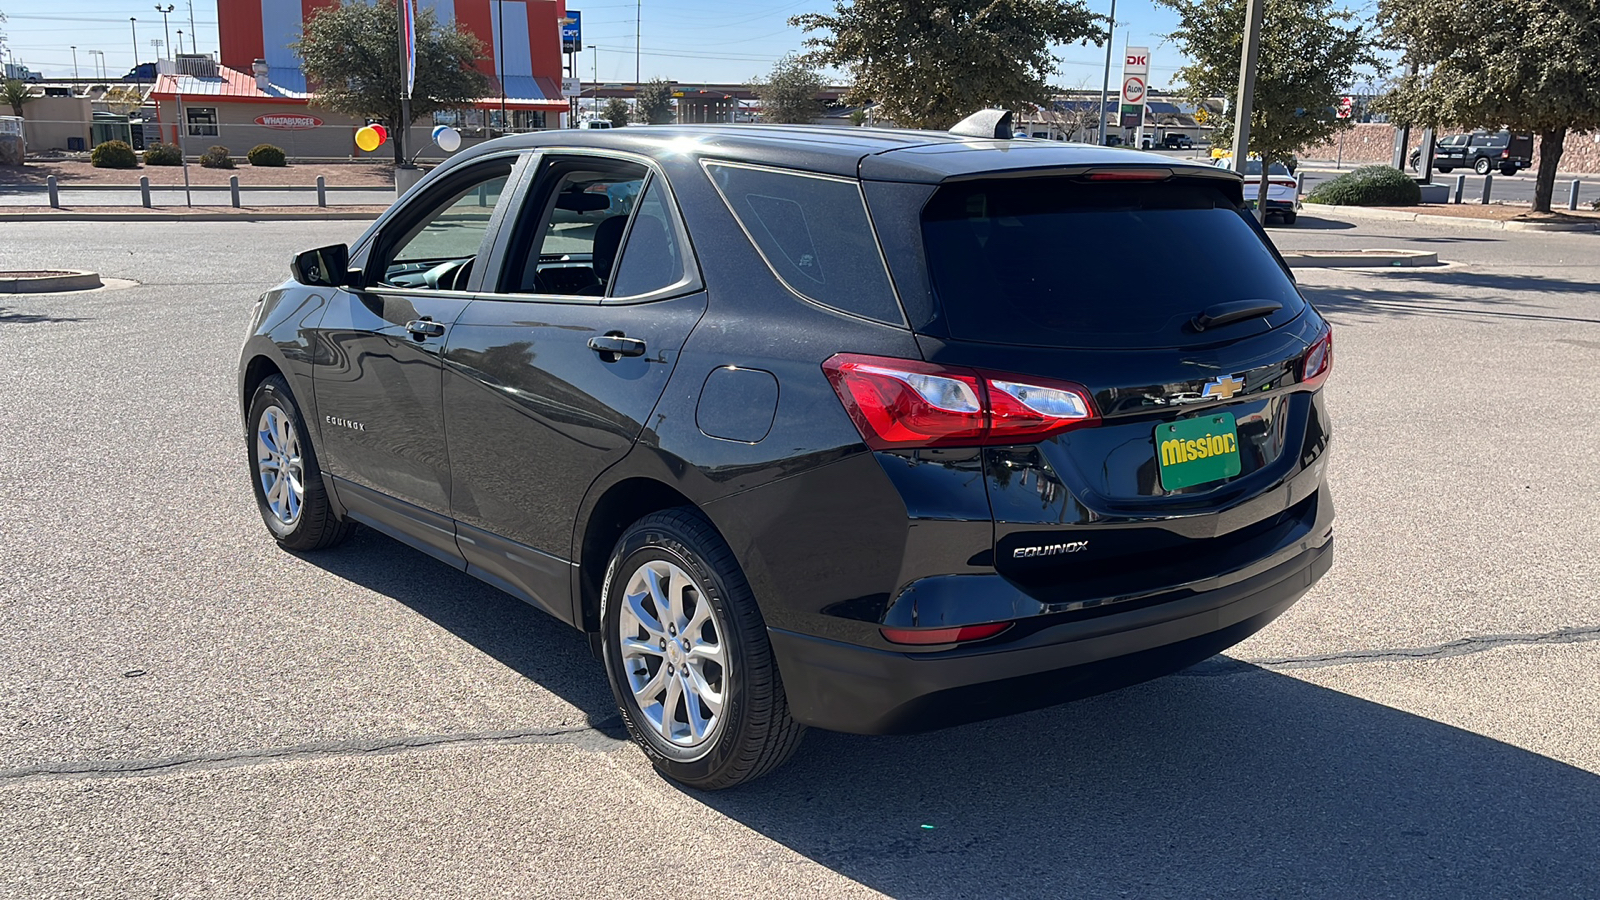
{"points": [[408, 39]]}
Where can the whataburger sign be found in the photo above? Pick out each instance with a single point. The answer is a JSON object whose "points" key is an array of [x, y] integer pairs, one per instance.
{"points": [[288, 121]]}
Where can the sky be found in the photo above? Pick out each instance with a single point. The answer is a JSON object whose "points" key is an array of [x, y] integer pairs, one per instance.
{"points": [[707, 41]]}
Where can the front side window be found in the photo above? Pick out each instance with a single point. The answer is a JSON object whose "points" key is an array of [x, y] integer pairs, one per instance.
{"points": [[202, 121], [814, 234], [436, 248]]}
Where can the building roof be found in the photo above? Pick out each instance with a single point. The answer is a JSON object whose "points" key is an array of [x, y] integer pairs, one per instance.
{"points": [[288, 86]]}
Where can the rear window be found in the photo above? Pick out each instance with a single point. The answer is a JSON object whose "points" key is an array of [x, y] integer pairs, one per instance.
{"points": [[814, 233], [1057, 262]]}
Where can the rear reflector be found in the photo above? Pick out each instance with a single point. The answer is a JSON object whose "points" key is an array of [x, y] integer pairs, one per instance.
{"points": [[927, 636], [899, 404]]}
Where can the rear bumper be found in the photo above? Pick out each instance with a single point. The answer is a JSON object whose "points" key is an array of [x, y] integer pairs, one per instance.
{"points": [[843, 687]]}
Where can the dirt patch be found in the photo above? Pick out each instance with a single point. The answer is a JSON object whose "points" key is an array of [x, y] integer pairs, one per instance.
{"points": [[74, 173], [1501, 212]]}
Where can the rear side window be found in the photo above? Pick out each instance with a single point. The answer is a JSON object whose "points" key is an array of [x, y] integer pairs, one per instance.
{"points": [[1058, 262], [652, 259], [814, 234]]}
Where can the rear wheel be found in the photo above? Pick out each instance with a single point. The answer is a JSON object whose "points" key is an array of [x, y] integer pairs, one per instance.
{"points": [[1443, 170], [687, 655], [1482, 166], [1508, 170], [288, 482], [1289, 217]]}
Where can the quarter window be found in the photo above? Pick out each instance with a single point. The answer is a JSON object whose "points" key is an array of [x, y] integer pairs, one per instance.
{"points": [[202, 121], [814, 233], [652, 259]]}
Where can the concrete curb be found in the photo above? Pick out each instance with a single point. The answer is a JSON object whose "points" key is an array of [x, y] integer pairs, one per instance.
{"points": [[51, 284], [1361, 212], [1386, 259], [243, 215]]}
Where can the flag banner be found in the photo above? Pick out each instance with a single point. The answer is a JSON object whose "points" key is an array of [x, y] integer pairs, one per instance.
{"points": [[408, 40]]}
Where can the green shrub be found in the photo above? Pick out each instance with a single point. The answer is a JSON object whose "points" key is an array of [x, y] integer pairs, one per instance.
{"points": [[267, 155], [1369, 186], [114, 155], [163, 155], [216, 158]]}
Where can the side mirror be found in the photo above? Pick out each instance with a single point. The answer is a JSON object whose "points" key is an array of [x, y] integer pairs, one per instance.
{"points": [[323, 267]]}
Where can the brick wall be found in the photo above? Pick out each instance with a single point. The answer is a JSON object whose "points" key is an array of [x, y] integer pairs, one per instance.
{"points": [[1374, 143]]}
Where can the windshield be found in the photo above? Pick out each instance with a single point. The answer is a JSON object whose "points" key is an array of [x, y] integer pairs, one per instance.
{"points": [[1058, 262]]}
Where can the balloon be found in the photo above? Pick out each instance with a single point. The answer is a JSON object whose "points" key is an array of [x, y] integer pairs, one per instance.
{"points": [[367, 139], [383, 133], [437, 129], [449, 140]]}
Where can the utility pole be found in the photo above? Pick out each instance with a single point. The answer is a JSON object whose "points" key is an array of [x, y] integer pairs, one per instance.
{"points": [[638, 14], [1105, 85], [74, 62], [594, 89], [164, 10], [192, 31], [1247, 97], [133, 25], [500, 60]]}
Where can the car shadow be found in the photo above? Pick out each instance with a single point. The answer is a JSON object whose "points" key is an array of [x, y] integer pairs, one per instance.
{"points": [[1226, 780], [9, 316], [1438, 292], [1304, 222]]}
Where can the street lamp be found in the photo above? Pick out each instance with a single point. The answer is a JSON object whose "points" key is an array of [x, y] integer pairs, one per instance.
{"points": [[74, 62], [133, 25], [164, 10], [100, 63]]}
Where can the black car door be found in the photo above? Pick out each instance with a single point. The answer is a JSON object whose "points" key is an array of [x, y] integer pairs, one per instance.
{"points": [[378, 378], [549, 380]]}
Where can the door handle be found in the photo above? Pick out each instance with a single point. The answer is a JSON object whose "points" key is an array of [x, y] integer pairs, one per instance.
{"points": [[424, 328], [614, 345]]}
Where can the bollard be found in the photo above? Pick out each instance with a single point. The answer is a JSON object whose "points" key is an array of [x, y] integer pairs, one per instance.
{"points": [[322, 191], [1488, 182], [144, 190], [1461, 188], [233, 188], [483, 194], [1572, 197], [55, 191]]}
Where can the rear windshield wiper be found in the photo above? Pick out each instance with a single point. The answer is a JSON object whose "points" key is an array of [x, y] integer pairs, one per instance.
{"points": [[1219, 314]]}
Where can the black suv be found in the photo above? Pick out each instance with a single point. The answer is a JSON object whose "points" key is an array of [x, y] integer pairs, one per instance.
{"points": [[1177, 142], [1481, 151], [813, 427]]}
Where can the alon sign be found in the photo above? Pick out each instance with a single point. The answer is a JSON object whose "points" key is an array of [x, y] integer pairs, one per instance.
{"points": [[288, 121]]}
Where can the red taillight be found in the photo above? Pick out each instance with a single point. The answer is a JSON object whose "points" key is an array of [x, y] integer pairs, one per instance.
{"points": [[1127, 174], [900, 404], [1318, 361], [927, 636], [1506, 153]]}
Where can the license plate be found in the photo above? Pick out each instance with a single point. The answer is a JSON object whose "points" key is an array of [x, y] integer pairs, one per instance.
{"points": [[1195, 451]]}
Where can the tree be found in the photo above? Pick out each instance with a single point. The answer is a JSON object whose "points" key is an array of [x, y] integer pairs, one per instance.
{"points": [[16, 94], [653, 103], [352, 60], [616, 111], [788, 94], [930, 63], [1310, 55], [1525, 65]]}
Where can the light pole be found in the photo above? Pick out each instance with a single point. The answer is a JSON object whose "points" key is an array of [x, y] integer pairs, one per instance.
{"points": [[164, 10], [156, 44], [180, 40], [594, 90], [74, 62], [1105, 85], [133, 25], [100, 63], [192, 32]]}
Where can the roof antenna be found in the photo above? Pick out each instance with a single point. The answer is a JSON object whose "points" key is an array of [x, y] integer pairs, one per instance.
{"points": [[985, 123]]}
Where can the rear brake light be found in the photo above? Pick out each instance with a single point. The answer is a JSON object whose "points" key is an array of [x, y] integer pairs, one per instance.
{"points": [[927, 636], [899, 404], [1506, 153], [1318, 361], [1128, 174]]}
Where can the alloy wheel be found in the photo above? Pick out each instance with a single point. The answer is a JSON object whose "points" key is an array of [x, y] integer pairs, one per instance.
{"points": [[674, 654], [280, 466]]}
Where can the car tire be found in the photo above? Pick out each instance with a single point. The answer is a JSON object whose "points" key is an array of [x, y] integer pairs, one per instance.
{"points": [[1289, 217], [285, 475], [1443, 170], [1482, 166], [1508, 170], [673, 565]]}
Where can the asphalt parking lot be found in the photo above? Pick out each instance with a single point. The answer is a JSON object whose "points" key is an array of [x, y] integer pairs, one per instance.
{"points": [[188, 711]]}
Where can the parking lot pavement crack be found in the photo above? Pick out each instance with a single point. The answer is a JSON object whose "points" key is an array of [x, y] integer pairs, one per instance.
{"points": [[599, 737], [1222, 665]]}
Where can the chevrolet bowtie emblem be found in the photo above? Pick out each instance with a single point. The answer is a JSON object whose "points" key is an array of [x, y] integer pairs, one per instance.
{"points": [[1222, 388]]}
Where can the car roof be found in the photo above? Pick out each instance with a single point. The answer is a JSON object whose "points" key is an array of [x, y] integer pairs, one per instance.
{"points": [[879, 154]]}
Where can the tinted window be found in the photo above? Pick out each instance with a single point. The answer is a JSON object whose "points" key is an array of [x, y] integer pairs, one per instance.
{"points": [[451, 227], [651, 259], [586, 209], [815, 235], [1062, 263], [1253, 167]]}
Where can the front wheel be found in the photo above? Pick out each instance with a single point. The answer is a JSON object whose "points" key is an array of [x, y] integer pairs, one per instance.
{"points": [[1443, 170], [287, 479], [1482, 166], [687, 655]]}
